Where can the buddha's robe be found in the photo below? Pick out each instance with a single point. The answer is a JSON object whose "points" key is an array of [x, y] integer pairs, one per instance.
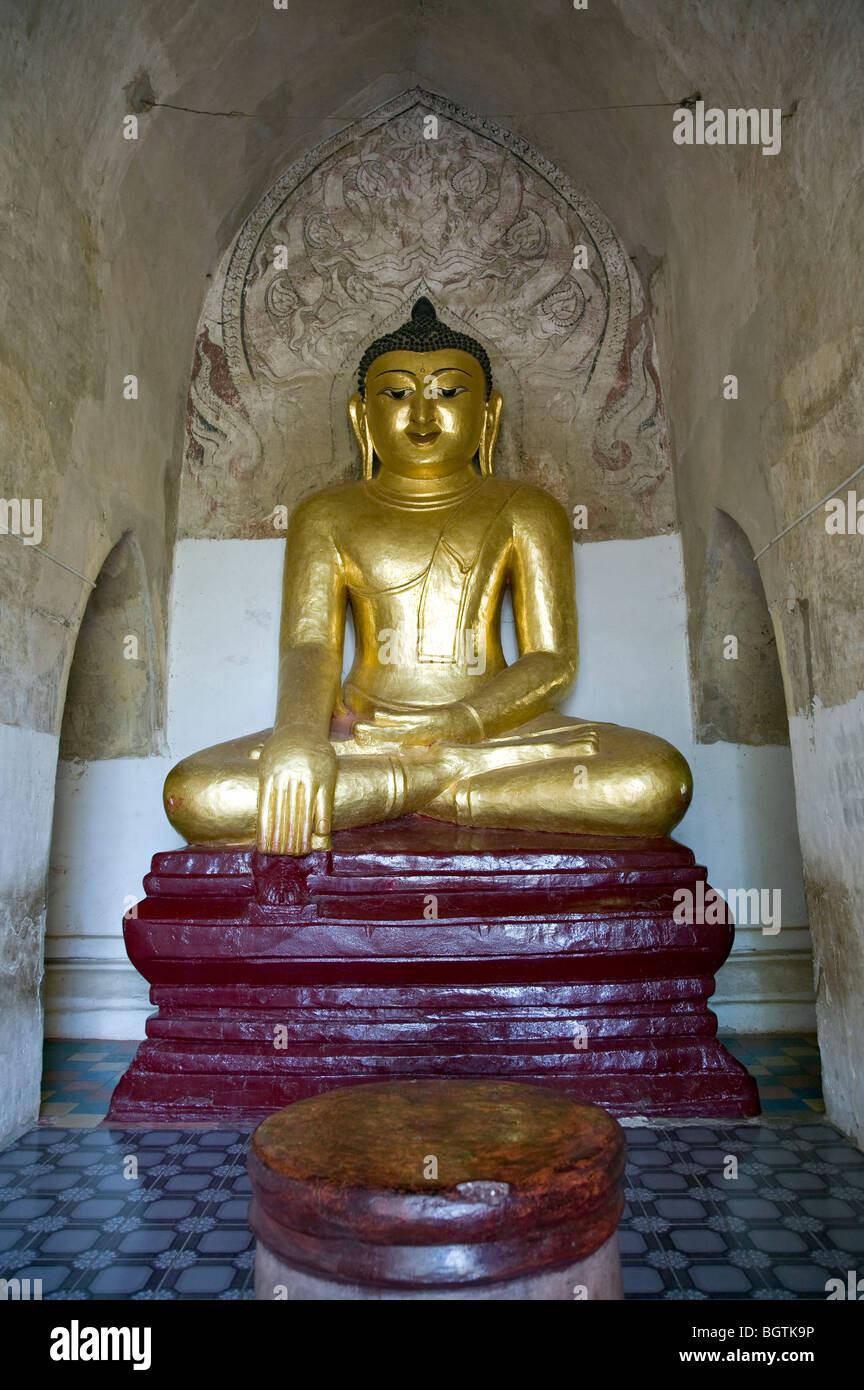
{"points": [[425, 580]]}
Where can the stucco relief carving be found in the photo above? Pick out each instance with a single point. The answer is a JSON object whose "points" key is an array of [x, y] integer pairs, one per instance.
{"points": [[336, 252]]}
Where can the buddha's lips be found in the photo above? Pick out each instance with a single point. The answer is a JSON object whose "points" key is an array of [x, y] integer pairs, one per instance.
{"points": [[423, 438]]}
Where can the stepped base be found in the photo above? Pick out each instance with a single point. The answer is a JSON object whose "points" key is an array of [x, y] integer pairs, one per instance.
{"points": [[417, 949]]}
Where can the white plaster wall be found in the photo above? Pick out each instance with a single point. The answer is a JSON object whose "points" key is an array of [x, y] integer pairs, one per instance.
{"points": [[224, 637], [633, 670], [222, 682], [108, 822]]}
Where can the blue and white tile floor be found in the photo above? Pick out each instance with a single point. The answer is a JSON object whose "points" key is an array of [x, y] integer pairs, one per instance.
{"points": [[792, 1218], [104, 1213], [71, 1217]]}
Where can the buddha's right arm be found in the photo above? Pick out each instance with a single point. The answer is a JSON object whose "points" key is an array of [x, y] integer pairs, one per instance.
{"points": [[297, 768], [308, 685], [313, 623]]}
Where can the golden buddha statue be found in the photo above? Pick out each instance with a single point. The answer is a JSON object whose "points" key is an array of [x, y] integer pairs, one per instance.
{"points": [[430, 718]]}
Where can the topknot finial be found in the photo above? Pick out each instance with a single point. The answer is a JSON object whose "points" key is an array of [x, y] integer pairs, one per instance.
{"points": [[423, 311]]}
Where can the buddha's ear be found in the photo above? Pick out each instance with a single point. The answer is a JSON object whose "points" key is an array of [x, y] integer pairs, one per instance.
{"points": [[360, 426], [489, 437]]}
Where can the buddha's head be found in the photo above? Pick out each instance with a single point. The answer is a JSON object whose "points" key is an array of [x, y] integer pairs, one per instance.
{"points": [[425, 405]]}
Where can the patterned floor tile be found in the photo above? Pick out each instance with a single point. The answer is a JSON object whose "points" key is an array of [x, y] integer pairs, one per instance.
{"points": [[77, 1214], [146, 1240]]}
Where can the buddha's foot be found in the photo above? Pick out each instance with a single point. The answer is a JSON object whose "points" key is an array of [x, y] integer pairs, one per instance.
{"points": [[569, 742]]}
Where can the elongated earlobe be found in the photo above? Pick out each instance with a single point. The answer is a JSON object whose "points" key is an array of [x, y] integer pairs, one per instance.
{"points": [[357, 416], [489, 437]]}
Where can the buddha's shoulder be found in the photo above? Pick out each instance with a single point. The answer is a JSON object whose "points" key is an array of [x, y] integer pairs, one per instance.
{"points": [[526, 502], [331, 503]]}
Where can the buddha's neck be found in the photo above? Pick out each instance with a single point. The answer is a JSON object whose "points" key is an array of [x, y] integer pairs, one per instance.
{"points": [[405, 491]]}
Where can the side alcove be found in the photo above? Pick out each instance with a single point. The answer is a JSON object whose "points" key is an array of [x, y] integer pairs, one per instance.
{"points": [[109, 737], [737, 682], [739, 704], [110, 709]]}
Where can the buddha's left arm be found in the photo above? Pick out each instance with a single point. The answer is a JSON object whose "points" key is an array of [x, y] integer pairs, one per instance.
{"points": [[544, 606]]}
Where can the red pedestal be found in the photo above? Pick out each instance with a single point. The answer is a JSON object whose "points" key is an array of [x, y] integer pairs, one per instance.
{"points": [[417, 949]]}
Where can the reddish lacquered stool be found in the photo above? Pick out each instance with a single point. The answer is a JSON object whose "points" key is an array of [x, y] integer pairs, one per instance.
{"points": [[439, 1189]]}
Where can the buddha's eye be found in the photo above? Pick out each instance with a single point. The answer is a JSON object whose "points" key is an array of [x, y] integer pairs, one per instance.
{"points": [[396, 393], [448, 392]]}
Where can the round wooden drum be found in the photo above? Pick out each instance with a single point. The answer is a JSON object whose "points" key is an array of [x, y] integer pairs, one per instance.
{"points": [[437, 1189]]}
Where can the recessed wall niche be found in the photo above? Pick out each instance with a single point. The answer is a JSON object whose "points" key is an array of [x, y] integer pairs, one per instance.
{"points": [[335, 253], [110, 709]]}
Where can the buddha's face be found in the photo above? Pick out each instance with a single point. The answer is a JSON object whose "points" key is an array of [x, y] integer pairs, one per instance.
{"points": [[425, 412]]}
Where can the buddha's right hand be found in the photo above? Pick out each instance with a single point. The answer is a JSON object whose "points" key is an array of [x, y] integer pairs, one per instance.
{"points": [[297, 781]]}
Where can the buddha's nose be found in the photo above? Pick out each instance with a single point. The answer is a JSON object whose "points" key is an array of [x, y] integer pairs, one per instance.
{"points": [[422, 408]]}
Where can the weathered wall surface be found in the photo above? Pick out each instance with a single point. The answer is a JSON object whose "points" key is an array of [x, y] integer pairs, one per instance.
{"points": [[752, 265], [68, 439], [28, 759], [763, 277]]}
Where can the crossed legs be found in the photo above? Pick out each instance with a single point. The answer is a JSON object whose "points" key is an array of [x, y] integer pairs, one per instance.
{"points": [[555, 774]]}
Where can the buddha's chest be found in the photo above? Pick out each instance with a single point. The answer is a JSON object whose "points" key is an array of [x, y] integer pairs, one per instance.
{"points": [[391, 552]]}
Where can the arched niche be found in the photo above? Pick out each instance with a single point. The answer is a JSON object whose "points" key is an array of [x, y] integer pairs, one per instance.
{"points": [[737, 683], [422, 197], [110, 709]]}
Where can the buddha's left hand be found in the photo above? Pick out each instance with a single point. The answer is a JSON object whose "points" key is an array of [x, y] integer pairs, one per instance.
{"points": [[446, 724]]}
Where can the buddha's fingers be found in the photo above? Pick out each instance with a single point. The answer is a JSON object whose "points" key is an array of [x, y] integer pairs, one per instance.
{"points": [[297, 828], [303, 822], [267, 818], [288, 820], [278, 819], [323, 812]]}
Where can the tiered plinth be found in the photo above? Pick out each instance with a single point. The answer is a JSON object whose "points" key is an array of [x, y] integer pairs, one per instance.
{"points": [[417, 949]]}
